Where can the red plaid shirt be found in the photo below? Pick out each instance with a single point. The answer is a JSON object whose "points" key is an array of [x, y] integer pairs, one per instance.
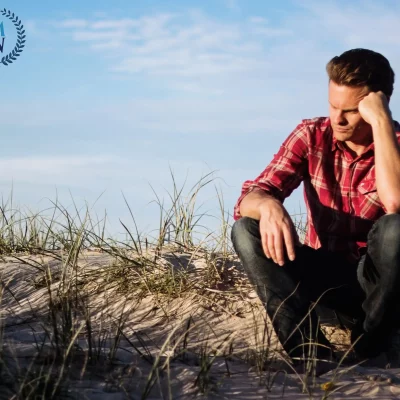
{"points": [[339, 191]]}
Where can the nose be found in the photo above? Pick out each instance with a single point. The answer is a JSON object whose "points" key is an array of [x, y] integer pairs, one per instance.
{"points": [[339, 118]]}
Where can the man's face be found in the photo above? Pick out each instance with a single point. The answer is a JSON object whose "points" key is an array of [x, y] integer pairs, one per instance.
{"points": [[346, 121]]}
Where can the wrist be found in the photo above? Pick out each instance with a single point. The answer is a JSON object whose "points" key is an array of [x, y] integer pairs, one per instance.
{"points": [[381, 121], [266, 203]]}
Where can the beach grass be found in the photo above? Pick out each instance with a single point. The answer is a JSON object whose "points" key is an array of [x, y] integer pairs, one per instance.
{"points": [[164, 315]]}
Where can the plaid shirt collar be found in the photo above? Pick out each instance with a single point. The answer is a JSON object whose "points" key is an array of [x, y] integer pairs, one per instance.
{"points": [[337, 144]]}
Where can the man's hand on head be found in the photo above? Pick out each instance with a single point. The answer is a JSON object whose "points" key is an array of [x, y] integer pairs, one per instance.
{"points": [[374, 107]]}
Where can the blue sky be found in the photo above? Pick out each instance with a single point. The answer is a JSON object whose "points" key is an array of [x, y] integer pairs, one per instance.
{"points": [[106, 96]]}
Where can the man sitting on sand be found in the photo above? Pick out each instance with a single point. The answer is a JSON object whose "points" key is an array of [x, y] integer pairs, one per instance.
{"points": [[349, 163]]}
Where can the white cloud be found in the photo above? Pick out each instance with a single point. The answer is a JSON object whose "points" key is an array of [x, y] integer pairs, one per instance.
{"points": [[261, 26], [95, 36], [50, 169], [187, 45], [271, 32], [194, 52], [108, 45], [371, 24], [72, 23], [258, 20], [119, 24]]}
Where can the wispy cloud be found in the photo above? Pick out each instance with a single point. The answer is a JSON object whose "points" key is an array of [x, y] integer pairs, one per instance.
{"points": [[193, 52], [72, 23], [188, 45], [261, 27], [69, 170], [373, 23]]}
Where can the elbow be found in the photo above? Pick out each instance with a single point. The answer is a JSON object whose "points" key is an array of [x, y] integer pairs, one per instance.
{"points": [[392, 207]]}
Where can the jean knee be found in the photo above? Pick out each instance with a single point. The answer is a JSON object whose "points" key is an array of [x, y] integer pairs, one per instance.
{"points": [[245, 232], [386, 231]]}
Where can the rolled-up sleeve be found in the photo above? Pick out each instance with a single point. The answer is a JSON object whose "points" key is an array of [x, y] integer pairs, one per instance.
{"points": [[286, 170]]}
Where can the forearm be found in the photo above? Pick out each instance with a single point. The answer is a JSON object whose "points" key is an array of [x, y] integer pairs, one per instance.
{"points": [[387, 163], [253, 202]]}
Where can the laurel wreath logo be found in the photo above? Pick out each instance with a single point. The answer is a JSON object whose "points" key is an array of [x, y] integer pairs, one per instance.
{"points": [[12, 56]]}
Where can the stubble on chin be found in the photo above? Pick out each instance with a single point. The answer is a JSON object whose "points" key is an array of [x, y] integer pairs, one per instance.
{"points": [[341, 136]]}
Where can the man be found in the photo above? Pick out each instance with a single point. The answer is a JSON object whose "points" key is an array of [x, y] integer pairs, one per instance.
{"points": [[349, 163]]}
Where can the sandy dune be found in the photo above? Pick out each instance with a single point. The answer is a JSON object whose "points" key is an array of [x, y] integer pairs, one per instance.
{"points": [[206, 344]]}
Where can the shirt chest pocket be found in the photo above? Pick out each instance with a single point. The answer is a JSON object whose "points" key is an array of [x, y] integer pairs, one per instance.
{"points": [[367, 187], [370, 207]]}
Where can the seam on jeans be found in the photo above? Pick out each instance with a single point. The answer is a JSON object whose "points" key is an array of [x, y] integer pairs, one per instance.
{"points": [[372, 231]]}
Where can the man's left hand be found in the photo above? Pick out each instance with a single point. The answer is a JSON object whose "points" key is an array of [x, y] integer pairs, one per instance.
{"points": [[373, 107]]}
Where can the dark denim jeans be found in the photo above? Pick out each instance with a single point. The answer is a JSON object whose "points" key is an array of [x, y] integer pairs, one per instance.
{"points": [[367, 291]]}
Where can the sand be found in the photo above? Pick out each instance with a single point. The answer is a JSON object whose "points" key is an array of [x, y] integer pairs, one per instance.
{"points": [[216, 359]]}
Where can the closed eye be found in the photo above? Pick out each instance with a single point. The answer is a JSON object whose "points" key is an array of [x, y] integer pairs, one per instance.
{"points": [[350, 110]]}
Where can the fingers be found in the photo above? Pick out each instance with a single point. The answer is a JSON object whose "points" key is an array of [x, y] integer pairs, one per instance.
{"points": [[279, 251], [290, 243], [273, 247], [277, 243], [264, 241]]}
